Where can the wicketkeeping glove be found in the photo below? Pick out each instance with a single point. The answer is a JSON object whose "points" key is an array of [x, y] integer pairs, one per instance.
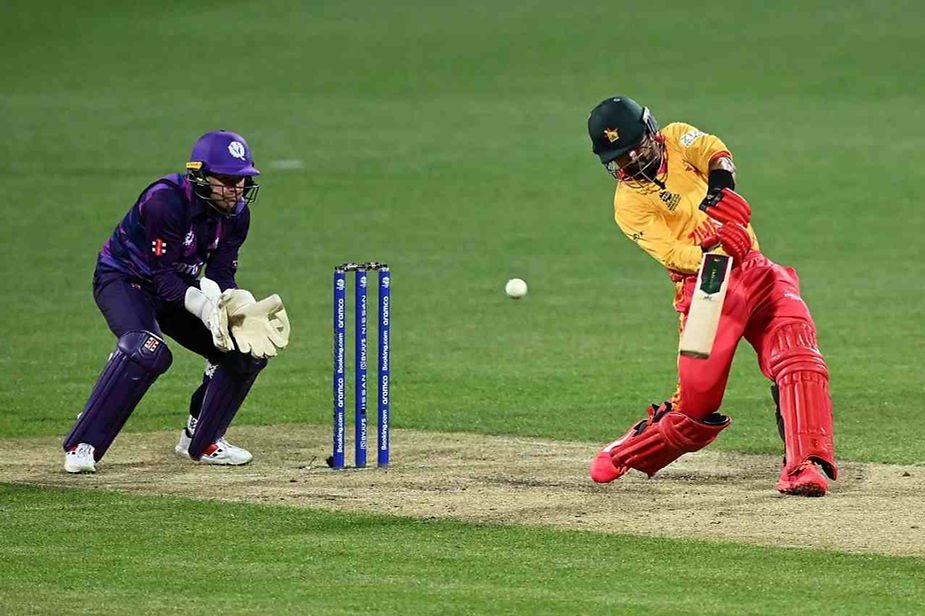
{"points": [[238, 298], [208, 304], [735, 240], [259, 328], [726, 205]]}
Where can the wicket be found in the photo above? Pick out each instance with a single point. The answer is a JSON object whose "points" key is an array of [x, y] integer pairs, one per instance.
{"points": [[337, 461]]}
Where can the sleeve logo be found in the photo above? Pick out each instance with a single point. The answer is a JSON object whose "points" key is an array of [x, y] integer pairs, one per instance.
{"points": [[688, 138], [158, 247]]}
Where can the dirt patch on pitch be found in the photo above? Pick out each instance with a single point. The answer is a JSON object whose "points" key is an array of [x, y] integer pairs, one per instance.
{"points": [[714, 495]]}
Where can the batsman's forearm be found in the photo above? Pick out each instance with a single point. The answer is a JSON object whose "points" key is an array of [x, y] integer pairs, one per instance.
{"points": [[686, 259], [677, 257]]}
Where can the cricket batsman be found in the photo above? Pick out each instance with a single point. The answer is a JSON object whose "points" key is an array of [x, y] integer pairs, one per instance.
{"points": [[148, 282], [675, 199]]}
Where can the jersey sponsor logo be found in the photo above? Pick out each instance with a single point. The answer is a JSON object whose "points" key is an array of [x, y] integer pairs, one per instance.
{"points": [[158, 247], [191, 269], [612, 134], [190, 238], [236, 149], [688, 138], [671, 200]]}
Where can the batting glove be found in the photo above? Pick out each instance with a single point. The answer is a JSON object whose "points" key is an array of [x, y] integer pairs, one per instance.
{"points": [[726, 205], [735, 240]]}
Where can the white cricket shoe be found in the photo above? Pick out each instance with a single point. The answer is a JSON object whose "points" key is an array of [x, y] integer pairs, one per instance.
{"points": [[80, 459], [219, 452]]}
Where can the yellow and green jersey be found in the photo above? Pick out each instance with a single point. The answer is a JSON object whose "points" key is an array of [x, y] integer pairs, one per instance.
{"points": [[666, 223]]}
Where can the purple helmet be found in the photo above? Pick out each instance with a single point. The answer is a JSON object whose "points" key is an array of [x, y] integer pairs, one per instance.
{"points": [[223, 152]]}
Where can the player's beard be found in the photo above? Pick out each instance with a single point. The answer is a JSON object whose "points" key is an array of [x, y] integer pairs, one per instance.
{"points": [[644, 171], [643, 175]]}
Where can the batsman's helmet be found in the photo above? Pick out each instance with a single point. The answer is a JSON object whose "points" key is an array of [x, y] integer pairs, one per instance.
{"points": [[626, 138], [617, 125], [222, 153]]}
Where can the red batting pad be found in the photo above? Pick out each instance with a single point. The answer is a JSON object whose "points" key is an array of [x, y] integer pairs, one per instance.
{"points": [[802, 377], [656, 443]]}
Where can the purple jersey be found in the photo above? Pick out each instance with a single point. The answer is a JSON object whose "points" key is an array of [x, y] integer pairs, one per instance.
{"points": [[170, 235]]}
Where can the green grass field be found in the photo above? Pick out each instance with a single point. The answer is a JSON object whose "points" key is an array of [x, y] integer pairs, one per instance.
{"points": [[269, 560], [449, 141]]}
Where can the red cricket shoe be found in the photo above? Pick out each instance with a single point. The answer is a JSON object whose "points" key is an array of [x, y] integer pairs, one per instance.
{"points": [[806, 480], [602, 468]]}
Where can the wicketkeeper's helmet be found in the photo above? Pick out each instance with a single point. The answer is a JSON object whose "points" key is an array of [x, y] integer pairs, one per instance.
{"points": [[226, 153]]}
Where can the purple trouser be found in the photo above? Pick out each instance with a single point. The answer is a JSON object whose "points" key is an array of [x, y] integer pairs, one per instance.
{"points": [[132, 312], [129, 307]]}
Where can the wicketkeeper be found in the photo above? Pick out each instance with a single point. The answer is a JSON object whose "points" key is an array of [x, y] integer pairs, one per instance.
{"points": [[148, 282], [675, 198]]}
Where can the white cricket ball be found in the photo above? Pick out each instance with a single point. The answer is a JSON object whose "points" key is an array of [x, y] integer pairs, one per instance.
{"points": [[515, 288]]}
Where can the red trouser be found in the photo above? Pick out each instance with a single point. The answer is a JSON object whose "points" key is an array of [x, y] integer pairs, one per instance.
{"points": [[762, 296], [764, 306]]}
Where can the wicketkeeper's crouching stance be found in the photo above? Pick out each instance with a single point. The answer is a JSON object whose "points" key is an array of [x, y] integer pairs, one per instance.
{"points": [[147, 283], [675, 199]]}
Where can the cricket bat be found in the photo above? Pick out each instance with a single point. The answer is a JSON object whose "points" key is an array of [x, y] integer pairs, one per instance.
{"points": [[706, 305]]}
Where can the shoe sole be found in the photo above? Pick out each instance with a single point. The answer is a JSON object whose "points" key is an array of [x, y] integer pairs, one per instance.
{"points": [[808, 489], [182, 453], [222, 462], [79, 471]]}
